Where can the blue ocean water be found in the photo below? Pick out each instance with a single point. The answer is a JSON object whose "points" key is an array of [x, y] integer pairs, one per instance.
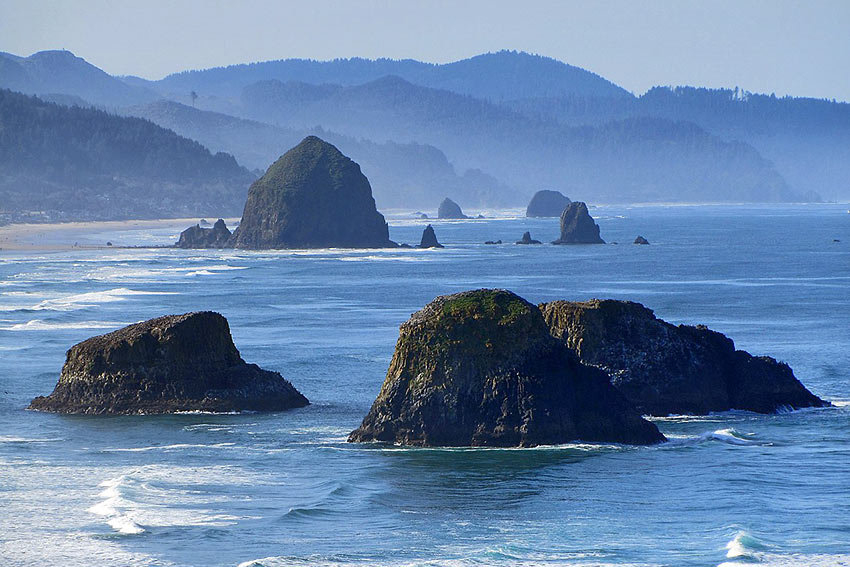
{"points": [[285, 489]]}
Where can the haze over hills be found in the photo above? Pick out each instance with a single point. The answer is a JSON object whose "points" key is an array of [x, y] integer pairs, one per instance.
{"points": [[403, 175], [488, 131], [81, 163]]}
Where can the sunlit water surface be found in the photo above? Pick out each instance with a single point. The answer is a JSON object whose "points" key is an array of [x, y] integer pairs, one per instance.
{"points": [[285, 489]]}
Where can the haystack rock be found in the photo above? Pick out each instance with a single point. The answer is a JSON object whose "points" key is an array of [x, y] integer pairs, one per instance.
{"points": [[312, 197], [526, 239], [480, 368], [547, 203], [198, 237], [450, 210], [429, 239], [164, 365], [665, 369], [577, 226]]}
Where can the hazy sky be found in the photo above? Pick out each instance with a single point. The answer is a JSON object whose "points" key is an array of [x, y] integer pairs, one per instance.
{"points": [[795, 47]]}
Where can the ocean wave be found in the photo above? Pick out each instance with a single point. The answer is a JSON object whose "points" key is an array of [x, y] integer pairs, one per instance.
{"points": [[91, 299], [172, 447], [42, 325], [745, 549], [729, 435], [27, 440]]}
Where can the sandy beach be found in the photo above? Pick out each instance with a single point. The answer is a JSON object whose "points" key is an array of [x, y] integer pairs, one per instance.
{"points": [[93, 235]]}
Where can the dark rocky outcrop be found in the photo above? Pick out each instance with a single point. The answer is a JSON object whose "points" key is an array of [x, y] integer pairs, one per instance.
{"points": [[480, 368], [577, 226], [312, 197], [493, 242], [526, 239], [450, 210], [641, 240], [429, 239], [664, 369], [173, 363], [198, 237], [547, 203]]}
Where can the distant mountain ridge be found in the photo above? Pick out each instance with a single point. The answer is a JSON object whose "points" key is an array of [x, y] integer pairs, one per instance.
{"points": [[61, 72], [503, 75]]}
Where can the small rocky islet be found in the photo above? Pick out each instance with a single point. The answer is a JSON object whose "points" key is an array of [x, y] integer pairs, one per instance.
{"points": [[169, 364]]}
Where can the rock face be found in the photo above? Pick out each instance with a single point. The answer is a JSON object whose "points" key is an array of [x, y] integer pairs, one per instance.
{"points": [[429, 239], [168, 364], [450, 210], [547, 204], [577, 226], [197, 237], [480, 368], [664, 369], [526, 239], [312, 197], [641, 240]]}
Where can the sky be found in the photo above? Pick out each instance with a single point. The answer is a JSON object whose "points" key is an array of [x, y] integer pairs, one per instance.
{"points": [[801, 48]]}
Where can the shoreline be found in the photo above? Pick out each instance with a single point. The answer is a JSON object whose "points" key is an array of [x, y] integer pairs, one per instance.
{"points": [[83, 235]]}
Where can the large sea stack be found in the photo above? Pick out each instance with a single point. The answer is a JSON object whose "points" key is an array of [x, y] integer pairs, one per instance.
{"points": [[665, 369], [577, 226], [164, 365], [312, 197], [547, 203], [450, 210], [480, 368]]}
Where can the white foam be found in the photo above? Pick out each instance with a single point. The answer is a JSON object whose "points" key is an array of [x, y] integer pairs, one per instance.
{"points": [[91, 299], [41, 325], [173, 447]]}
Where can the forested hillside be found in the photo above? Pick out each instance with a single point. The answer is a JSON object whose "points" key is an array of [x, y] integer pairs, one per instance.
{"points": [[59, 162]]}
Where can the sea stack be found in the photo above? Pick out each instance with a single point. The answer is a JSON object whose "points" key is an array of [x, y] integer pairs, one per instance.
{"points": [[480, 368], [197, 237], [429, 239], [641, 240], [450, 210], [547, 203], [664, 369], [174, 363], [312, 197], [526, 239], [577, 226]]}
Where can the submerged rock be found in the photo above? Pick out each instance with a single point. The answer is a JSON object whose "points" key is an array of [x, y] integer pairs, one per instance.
{"points": [[197, 237], [173, 363], [493, 242], [450, 210], [577, 226], [641, 240], [429, 239], [547, 203], [664, 369], [526, 239], [312, 197], [480, 368]]}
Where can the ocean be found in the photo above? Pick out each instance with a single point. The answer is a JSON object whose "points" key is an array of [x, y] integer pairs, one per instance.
{"points": [[285, 489]]}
